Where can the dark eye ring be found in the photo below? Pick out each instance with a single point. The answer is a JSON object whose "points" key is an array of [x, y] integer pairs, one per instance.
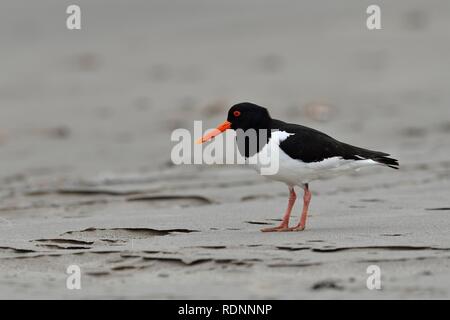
{"points": [[237, 113]]}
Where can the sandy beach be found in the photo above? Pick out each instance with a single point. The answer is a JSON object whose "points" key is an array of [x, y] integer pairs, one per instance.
{"points": [[86, 176]]}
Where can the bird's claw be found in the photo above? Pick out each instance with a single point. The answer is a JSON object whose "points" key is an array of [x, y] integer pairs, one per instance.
{"points": [[275, 229], [297, 228], [283, 229]]}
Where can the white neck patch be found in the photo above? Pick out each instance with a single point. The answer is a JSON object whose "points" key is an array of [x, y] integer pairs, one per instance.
{"points": [[280, 136]]}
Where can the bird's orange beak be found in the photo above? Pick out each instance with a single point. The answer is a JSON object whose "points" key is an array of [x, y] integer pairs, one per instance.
{"points": [[215, 132]]}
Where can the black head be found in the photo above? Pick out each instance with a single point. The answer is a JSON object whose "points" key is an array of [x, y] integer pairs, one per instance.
{"points": [[242, 116], [247, 115]]}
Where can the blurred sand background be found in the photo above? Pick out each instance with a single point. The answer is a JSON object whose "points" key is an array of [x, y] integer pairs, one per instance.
{"points": [[86, 177]]}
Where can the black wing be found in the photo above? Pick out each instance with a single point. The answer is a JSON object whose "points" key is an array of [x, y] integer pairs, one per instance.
{"points": [[310, 145]]}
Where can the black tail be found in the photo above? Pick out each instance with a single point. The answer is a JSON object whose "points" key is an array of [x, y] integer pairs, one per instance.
{"points": [[390, 162], [377, 156]]}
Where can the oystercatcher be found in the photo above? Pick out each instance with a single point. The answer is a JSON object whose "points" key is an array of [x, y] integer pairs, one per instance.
{"points": [[305, 154]]}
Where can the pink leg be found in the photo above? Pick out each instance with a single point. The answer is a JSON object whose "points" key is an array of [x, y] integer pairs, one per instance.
{"points": [[306, 199], [285, 223]]}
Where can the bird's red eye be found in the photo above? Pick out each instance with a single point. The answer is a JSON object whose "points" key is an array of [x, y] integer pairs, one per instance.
{"points": [[237, 113]]}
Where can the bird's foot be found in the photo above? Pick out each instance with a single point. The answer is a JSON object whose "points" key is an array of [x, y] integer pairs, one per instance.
{"points": [[296, 228], [279, 228]]}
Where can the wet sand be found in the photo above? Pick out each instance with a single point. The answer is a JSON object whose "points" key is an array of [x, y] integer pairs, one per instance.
{"points": [[86, 177]]}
